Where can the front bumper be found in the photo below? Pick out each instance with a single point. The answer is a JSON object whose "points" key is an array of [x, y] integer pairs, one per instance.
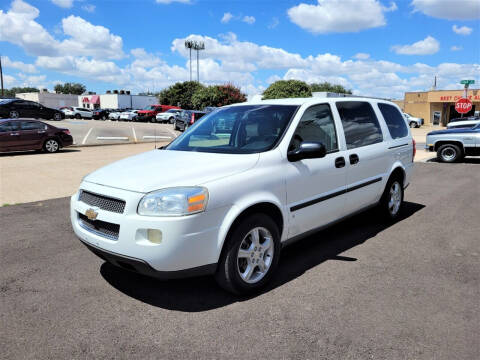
{"points": [[188, 242]]}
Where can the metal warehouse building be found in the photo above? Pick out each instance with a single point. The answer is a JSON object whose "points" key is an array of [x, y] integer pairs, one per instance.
{"points": [[437, 107], [122, 100]]}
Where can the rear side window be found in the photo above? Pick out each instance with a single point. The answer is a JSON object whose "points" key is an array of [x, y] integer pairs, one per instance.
{"points": [[395, 121], [8, 126], [31, 125], [360, 123]]}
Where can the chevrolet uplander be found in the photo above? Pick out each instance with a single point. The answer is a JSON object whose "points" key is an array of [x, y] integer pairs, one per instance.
{"points": [[224, 197]]}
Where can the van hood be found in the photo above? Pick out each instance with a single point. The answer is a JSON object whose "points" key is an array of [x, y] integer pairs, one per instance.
{"points": [[159, 169]]}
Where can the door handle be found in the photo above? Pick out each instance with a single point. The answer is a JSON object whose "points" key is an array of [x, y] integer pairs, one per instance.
{"points": [[354, 159], [14, 134], [340, 162], [41, 131]]}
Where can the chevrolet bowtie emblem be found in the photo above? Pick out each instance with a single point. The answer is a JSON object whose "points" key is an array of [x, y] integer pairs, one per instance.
{"points": [[91, 214]]}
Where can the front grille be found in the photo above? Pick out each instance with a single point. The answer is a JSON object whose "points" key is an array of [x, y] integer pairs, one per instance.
{"points": [[99, 227], [102, 202]]}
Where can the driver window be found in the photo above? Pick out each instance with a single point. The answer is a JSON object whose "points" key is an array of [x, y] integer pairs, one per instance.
{"points": [[317, 124]]}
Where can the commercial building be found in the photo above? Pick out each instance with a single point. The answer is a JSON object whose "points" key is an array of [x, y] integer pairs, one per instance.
{"points": [[437, 107], [122, 100], [49, 99]]}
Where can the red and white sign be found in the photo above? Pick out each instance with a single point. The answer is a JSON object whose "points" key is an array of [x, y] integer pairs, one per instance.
{"points": [[463, 106]]}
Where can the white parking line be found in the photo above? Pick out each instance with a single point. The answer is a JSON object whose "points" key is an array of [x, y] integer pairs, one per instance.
{"points": [[156, 137], [171, 132], [86, 136], [112, 137], [134, 134]]}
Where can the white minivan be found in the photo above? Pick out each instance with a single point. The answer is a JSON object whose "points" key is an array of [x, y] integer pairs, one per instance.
{"points": [[225, 196]]}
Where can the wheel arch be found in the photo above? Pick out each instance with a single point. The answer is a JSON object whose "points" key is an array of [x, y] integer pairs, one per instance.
{"points": [[439, 143], [398, 170], [238, 212]]}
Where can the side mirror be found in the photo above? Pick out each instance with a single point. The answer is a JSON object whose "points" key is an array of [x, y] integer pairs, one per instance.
{"points": [[307, 150]]}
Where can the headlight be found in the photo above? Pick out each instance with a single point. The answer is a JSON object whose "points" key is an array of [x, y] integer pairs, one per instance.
{"points": [[174, 202]]}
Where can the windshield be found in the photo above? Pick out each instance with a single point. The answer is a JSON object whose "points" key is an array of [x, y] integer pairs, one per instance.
{"points": [[242, 129], [150, 107], [172, 111]]}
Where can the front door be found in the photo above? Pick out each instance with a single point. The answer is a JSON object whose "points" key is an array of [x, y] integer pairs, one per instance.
{"points": [[367, 154], [316, 187]]}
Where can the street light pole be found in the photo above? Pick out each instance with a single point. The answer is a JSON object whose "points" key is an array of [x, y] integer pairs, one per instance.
{"points": [[1, 73], [195, 45]]}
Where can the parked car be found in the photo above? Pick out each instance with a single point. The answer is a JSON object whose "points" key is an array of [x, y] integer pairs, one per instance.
{"points": [[18, 108], [285, 169], [78, 113], [150, 112], [21, 135], [114, 115], [413, 122], [453, 145], [100, 114], [466, 118], [130, 115], [187, 118], [168, 116], [463, 124]]}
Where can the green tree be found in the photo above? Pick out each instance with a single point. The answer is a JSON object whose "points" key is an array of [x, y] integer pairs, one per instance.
{"points": [[70, 88], [287, 89], [218, 95], [327, 87], [10, 93], [180, 93]]}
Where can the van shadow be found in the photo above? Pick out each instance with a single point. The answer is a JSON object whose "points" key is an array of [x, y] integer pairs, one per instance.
{"points": [[202, 293]]}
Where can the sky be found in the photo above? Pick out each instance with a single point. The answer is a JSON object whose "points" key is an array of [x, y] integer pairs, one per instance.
{"points": [[373, 47]]}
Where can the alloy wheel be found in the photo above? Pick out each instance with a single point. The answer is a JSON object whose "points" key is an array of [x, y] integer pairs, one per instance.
{"points": [[57, 117], [14, 114], [395, 199], [448, 154], [255, 255], [51, 146]]}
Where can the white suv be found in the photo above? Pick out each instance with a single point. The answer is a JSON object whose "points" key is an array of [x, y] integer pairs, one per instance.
{"points": [[225, 196]]}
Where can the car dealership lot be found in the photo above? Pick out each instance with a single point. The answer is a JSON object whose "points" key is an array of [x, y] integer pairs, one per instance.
{"points": [[358, 290], [96, 132]]}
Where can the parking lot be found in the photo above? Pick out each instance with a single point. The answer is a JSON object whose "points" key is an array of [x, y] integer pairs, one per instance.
{"points": [[94, 132], [359, 290]]}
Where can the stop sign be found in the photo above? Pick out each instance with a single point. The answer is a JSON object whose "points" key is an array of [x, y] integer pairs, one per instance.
{"points": [[463, 106]]}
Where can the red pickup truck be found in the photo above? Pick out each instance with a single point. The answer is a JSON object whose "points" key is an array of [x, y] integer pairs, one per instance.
{"points": [[151, 111]]}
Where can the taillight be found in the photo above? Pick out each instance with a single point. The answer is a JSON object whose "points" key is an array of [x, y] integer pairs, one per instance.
{"points": [[414, 149], [192, 120], [66, 131]]}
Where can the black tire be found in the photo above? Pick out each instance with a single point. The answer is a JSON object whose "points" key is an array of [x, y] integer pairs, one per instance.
{"points": [[175, 125], [413, 124], [57, 117], [228, 271], [170, 120], [14, 114], [385, 205], [449, 153], [78, 116], [51, 145]]}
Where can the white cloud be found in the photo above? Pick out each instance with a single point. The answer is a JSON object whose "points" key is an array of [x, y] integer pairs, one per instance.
{"points": [[8, 63], [339, 16], [90, 40], [89, 8], [172, 1], [464, 30], [274, 23], [456, 48], [226, 17], [449, 9], [63, 3], [144, 59], [248, 19], [361, 56], [427, 46], [18, 26]]}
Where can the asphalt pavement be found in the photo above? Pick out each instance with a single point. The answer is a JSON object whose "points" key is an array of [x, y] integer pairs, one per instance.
{"points": [[359, 290], [96, 132]]}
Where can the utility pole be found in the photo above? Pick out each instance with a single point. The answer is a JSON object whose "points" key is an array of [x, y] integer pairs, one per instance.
{"points": [[1, 74], [199, 46], [189, 44]]}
